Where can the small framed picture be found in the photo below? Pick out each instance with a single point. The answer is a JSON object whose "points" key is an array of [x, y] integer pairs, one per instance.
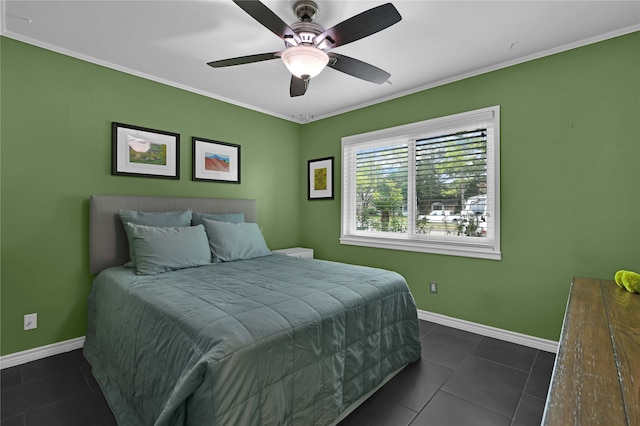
{"points": [[139, 151], [215, 161], [320, 178]]}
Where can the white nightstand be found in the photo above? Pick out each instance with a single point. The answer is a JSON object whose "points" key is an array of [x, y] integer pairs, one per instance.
{"points": [[306, 253]]}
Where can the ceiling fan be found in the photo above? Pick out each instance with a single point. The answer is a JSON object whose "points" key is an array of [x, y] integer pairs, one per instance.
{"points": [[308, 45]]}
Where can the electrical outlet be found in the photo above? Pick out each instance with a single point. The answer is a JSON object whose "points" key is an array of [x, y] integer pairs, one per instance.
{"points": [[433, 287], [30, 321]]}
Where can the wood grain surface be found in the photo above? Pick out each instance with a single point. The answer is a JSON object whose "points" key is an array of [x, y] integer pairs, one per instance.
{"points": [[623, 311], [596, 378]]}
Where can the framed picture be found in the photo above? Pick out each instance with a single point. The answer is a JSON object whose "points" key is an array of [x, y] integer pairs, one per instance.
{"points": [[215, 161], [320, 178], [139, 151]]}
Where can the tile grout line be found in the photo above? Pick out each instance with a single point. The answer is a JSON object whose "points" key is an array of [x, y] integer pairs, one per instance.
{"points": [[513, 418], [443, 330], [453, 370]]}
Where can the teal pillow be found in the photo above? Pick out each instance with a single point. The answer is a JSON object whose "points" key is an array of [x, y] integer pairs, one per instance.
{"points": [[176, 218], [196, 218], [235, 241], [162, 249]]}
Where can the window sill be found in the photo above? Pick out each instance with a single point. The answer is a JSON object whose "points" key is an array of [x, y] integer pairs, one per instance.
{"points": [[452, 249]]}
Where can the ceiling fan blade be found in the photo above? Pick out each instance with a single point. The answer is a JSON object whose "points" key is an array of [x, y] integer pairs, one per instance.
{"points": [[357, 68], [359, 26], [244, 60], [298, 86], [268, 19]]}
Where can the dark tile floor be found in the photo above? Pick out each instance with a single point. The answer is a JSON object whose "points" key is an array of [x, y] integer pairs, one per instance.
{"points": [[59, 390], [463, 379]]}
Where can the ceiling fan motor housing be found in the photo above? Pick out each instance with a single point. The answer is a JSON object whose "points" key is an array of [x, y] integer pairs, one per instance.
{"points": [[307, 31]]}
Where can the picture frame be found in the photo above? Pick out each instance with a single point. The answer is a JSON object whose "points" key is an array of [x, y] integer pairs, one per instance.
{"points": [[320, 179], [144, 152], [215, 161]]}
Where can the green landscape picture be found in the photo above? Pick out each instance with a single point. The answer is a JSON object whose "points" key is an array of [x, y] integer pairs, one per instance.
{"points": [[156, 154]]}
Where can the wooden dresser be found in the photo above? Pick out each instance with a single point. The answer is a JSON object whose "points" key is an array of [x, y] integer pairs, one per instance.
{"points": [[596, 377]]}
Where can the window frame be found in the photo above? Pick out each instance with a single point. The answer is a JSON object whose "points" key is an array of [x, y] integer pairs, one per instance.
{"points": [[484, 248]]}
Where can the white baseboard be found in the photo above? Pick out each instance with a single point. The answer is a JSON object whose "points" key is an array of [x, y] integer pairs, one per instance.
{"points": [[35, 354], [485, 330]]}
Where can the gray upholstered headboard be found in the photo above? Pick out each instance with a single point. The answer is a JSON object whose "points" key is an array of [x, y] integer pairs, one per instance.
{"points": [[107, 240]]}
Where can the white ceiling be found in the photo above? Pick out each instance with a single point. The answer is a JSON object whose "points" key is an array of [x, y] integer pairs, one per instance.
{"points": [[436, 42]]}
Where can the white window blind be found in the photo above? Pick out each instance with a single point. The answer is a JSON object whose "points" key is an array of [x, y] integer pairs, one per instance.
{"points": [[430, 186]]}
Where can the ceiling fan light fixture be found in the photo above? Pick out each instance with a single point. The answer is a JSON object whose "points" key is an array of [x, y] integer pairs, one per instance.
{"points": [[305, 61]]}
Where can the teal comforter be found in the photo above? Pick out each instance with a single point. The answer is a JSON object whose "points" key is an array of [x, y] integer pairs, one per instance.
{"points": [[275, 340]]}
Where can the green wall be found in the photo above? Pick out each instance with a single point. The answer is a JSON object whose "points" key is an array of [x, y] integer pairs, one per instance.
{"points": [[56, 115], [570, 151]]}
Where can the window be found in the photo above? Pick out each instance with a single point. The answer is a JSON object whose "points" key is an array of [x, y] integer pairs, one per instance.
{"points": [[431, 186]]}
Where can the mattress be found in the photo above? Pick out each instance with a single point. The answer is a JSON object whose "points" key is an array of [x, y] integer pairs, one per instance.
{"points": [[274, 340]]}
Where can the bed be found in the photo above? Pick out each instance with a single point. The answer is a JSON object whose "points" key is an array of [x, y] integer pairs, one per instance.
{"points": [[268, 340]]}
